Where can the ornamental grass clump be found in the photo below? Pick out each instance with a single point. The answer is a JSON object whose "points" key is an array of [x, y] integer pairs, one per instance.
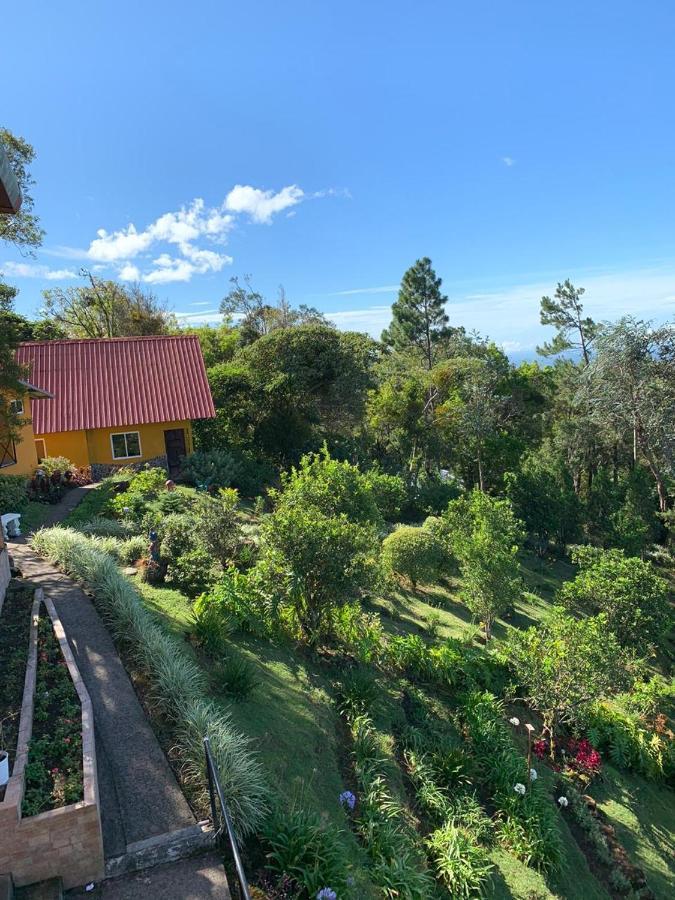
{"points": [[397, 864], [178, 685]]}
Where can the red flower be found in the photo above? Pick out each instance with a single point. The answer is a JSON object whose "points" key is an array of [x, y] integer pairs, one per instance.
{"points": [[540, 748]]}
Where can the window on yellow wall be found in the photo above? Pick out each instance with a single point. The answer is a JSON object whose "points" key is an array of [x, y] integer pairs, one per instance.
{"points": [[126, 445]]}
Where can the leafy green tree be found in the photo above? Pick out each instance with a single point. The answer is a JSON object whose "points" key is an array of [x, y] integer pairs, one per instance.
{"points": [[23, 228], [413, 553], [565, 313], [419, 317], [334, 487], [317, 563], [485, 536], [633, 598], [629, 387], [217, 525], [566, 664], [543, 497], [105, 309], [309, 385]]}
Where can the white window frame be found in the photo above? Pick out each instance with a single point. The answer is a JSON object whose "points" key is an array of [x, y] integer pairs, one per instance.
{"points": [[124, 435], [17, 407]]}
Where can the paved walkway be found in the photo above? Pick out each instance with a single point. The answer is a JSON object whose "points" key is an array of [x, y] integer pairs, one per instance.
{"points": [[198, 878], [139, 795]]}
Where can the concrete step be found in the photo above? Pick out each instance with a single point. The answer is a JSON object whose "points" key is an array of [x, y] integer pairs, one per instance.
{"points": [[52, 889], [164, 848]]}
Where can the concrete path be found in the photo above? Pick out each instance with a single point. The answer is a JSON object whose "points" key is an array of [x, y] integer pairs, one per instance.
{"points": [[190, 879], [139, 795]]}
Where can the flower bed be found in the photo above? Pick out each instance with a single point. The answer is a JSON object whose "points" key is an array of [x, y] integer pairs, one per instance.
{"points": [[14, 635], [54, 768], [64, 839]]}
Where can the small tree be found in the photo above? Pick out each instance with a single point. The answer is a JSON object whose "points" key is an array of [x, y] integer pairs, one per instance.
{"points": [[565, 313], [217, 527], [625, 588], [317, 563], [485, 536], [414, 553], [566, 664]]}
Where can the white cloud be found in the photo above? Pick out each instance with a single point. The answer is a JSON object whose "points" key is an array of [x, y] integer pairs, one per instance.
{"points": [[183, 232], [207, 317], [34, 270], [262, 205], [129, 272], [508, 161]]}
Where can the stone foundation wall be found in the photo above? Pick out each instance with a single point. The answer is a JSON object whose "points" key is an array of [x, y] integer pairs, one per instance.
{"points": [[102, 470], [65, 842]]}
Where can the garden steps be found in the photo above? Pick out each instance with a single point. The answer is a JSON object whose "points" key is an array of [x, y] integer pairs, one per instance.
{"points": [[161, 849]]}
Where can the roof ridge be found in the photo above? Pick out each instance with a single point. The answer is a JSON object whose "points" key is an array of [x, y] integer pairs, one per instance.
{"points": [[108, 340]]}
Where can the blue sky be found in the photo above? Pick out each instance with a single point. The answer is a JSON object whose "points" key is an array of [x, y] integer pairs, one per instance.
{"points": [[326, 146]]}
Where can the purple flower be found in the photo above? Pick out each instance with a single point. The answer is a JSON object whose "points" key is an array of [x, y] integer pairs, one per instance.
{"points": [[346, 798], [326, 894]]}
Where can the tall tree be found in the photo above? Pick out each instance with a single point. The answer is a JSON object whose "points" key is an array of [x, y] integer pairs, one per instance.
{"points": [[22, 229], [565, 313], [630, 387], [419, 317], [258, 317], [105, 309]]}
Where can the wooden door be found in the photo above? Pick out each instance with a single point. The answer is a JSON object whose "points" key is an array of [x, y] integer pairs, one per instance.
{"points": [[174, 441]]}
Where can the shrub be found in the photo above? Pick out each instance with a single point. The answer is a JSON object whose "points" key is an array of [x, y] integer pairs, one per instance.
{"points": [[629, 744], [316, 563], [55, 465], [333, 487], [357, 692], [236, 601], [627, 589], [306, 850], [206, 468], [413, 553], [13, 493], [429, 497], [359, 632], [192, 573], [176, 536], [180, 500], [216, 524], [177, 682], [235, 676], [461, 864], [143, 487], [131, 550], [212, 623]]}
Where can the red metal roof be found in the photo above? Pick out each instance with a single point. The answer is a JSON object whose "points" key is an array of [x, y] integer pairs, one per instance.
{"points": [[117, 381]]}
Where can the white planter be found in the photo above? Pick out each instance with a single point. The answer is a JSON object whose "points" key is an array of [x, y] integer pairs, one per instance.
{"points": [[4, 768]]}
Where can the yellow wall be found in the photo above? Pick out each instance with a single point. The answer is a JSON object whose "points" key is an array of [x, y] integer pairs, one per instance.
{"points": [[26, 456], [83, 448]]}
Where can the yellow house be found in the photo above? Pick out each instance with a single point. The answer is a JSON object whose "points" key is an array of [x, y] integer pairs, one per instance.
{"points": [[19, 456], [118, 401]]}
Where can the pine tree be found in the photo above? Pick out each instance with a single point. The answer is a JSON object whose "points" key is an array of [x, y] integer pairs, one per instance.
{"points": [[419, 317], [565, 312]]}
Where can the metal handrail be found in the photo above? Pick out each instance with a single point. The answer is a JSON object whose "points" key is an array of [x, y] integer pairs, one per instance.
{"points": [[215, 789]]}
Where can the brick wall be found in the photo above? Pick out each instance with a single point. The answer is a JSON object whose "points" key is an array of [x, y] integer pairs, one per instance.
{"points": [[64, 842]]}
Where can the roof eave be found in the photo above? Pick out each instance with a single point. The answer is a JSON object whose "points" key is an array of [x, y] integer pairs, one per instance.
{"points": [[36, 392]]}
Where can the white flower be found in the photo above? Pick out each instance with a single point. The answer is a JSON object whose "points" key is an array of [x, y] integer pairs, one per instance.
{"points": [[515, 721], [519, 788], [533, 774], [530, 727], [563, 801]]}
